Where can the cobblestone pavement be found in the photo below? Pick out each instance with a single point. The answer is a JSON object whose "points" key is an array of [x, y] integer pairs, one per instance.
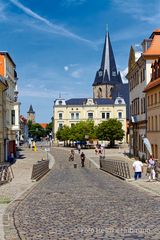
{"points": [[85, 203]]}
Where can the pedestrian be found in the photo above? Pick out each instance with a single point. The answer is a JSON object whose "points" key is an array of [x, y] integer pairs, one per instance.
{"points": [[82, 159], [151, 168], [138, 169], [71, 156], [79, 148]]}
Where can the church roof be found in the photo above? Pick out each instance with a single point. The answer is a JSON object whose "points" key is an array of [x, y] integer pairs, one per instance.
{"points": [[107, 74], [31, 109]]}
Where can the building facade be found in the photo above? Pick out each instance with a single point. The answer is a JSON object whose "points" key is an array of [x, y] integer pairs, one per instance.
{"points": [[8, 72], [3, 88], [75, 110], [152, 91], [139, 75]]}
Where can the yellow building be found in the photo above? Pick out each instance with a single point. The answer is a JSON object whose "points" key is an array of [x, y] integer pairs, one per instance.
{"points": [[3, 87], [152, 91], [139, 75], [75, 110], [8, 72]]}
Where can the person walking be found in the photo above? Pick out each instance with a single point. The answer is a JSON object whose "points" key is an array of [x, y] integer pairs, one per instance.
{"points": [[82, 159], [151, 168], [71, 156], [138, 169], [79, 148]]}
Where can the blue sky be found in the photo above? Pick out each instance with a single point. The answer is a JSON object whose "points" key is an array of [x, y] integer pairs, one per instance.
{"points": [[57, 44]]}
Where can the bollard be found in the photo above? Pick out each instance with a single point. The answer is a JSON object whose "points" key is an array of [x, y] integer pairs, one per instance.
{"points": [[75, 165]]}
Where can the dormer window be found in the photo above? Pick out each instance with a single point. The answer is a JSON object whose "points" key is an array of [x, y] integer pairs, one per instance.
{"points": [[120, 101], [100, 73], [113, 74], [60, 102]]}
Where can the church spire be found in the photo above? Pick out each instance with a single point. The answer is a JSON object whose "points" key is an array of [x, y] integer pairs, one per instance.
{"points": [[31, 109], [108, 70]]}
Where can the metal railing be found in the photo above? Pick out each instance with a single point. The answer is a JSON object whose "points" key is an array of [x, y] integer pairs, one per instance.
{"points": [[40, 169], [6, 173], [118, 168]]}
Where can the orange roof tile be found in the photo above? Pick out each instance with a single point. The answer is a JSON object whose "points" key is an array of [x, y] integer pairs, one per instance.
{"points": [[43, 125], [154, 49], [152, 84]]}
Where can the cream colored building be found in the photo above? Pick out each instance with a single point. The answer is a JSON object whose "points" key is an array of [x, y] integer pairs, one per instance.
{"points": [[3, 87], [152, 91], [8, 72], [139, 75], [75, 110]]}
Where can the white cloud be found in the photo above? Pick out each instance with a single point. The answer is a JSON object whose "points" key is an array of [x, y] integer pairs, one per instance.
{"points": [[76, 73], [123, 75], [52, 27], [66, 68], [3, 14], [140, 10]]}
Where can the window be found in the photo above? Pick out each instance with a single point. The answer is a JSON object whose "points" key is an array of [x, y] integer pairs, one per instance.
{"points": [[120, 101], [72, 115], [108, 115], [103, 115], [100, 73], [151, 100], [155, 101], [156, 123], [77, 115], [113, 73], [119, 115], [60, 116], [60, 125], [90, 115], [13, 117], [60, 102]]}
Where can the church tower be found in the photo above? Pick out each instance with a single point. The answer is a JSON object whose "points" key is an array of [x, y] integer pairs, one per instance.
{"points": [[107, 76], [31, 115]]}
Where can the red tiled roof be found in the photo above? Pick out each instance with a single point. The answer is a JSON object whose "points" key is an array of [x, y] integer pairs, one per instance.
{"points": [[43, 125], [154, 49], [152, 84]]}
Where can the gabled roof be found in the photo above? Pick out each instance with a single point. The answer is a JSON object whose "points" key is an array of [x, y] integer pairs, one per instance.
{"points": [[7, 54], [152, 84], [154, 49], [108, 70], [30, 109], [43, 125]]}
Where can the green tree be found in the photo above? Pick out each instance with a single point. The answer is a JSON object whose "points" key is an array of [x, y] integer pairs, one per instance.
{"points": [[110, 130], [49, 128], [81, 130], [63, 134], [37, 131]]}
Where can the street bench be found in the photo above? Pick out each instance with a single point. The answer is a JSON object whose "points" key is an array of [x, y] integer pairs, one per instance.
{"points": [[117, 168], [40, 169]]}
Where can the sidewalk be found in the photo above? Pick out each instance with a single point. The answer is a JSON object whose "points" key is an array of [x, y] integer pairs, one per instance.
{"points": [[152, 187], [21, 182]]}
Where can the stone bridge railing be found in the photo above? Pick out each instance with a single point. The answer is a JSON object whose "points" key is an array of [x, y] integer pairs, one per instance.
{"points": [[40, 169], [118, 168]]}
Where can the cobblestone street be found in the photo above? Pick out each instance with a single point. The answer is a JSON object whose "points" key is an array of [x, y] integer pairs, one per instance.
{"points": [[86, 203]]}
